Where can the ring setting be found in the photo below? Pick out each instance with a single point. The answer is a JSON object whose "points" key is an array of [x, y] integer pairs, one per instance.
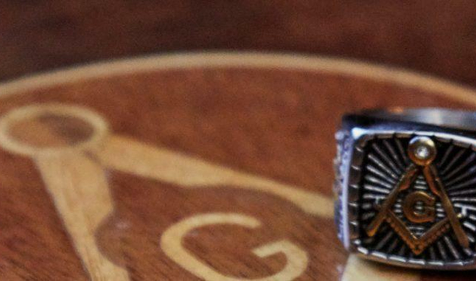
{"points": [[406, 187]]}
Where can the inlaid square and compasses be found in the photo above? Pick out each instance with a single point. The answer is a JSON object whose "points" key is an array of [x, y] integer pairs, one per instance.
{"points": [[419, 206]]}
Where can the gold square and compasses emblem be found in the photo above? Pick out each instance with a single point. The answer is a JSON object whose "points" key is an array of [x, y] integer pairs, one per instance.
{"points": [[421, 151]]}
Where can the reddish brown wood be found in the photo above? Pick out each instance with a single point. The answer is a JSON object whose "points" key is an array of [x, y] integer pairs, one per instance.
{"points": [[275, 123], [431, 36]]}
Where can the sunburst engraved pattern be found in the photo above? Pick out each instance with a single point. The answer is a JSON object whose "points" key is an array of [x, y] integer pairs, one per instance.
{"points": [[385, 159]]}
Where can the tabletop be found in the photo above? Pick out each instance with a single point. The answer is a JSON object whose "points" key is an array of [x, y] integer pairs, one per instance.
{"points": [[194, 166]]}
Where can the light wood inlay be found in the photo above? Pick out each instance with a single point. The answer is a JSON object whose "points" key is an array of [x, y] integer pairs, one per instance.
{"points": [[171, 243], [81, 194], [130, 156]]}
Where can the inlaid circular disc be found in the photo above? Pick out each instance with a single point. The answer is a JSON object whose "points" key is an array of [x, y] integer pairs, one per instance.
{"points": [[189, 167]]}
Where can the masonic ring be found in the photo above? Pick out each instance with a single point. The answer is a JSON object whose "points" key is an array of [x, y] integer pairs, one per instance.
{"points": [[406, 187]]}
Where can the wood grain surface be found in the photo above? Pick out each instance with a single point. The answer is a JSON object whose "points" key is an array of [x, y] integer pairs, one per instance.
{"points": [[434, 36], [189, 167]]}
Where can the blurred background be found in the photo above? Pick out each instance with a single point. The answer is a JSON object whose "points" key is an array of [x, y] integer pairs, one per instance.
{"points": [[432, 36]]}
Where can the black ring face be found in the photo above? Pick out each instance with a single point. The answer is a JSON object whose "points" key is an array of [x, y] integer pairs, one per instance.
{"points": [[393, 210]]}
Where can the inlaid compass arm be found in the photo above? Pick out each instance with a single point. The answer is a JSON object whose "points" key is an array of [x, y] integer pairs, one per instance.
{"points": [[405, 181], [435, 184], [145, 160]]}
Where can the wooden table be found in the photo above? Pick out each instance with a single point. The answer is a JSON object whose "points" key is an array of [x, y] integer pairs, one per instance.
{"points": [[207, 166]]}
